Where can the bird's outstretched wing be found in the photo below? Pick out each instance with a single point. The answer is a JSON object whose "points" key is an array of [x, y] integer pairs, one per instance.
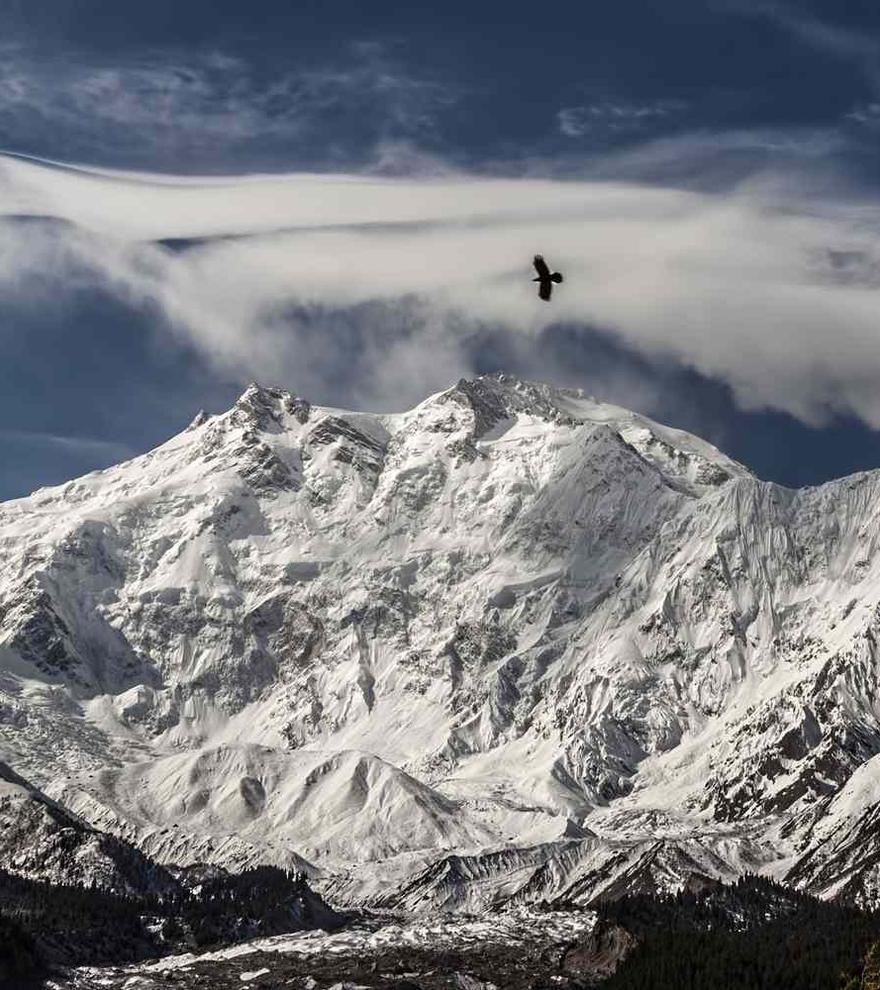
{"points": [[545, 287], [541, 267]]}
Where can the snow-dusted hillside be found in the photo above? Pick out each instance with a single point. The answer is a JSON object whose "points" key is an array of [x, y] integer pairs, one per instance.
{"points": [[40, 840], [509, 645]]}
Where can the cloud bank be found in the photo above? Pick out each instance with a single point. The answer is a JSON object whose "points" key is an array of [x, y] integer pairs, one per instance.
{"points": [[301, 278]]}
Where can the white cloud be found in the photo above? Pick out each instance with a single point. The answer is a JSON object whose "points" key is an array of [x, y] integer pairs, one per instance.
{"points": [[765, 286]]}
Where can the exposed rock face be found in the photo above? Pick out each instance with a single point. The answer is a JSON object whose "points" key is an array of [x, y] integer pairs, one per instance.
{"points": [[510, 645], [40, 840], [871, 973], [599, 955]]}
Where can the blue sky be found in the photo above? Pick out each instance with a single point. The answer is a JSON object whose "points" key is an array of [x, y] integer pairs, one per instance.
{"points": [[705, 173]]}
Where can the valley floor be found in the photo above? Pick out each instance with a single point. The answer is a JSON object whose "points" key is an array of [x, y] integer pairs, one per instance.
{"points": [[516, 949], [751, 935]]}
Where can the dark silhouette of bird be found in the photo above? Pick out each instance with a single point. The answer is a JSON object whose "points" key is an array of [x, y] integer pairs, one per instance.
{"points": [[546, 278]]}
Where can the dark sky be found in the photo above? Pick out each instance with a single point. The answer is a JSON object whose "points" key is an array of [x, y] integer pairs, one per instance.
{"points": [[487, 79], [565, 90]]}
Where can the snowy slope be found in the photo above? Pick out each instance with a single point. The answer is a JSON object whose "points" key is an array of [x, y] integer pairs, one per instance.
{"points": [[509, 619]]}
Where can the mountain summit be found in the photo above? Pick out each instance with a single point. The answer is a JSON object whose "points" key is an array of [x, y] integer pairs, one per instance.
{"points": [[513, 644]]}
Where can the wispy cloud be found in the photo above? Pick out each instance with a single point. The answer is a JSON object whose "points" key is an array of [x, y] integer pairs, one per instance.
{"points": [[616, 116], [157, 104], [86, 447], [865, 115], [861, 48], [308, 279]]}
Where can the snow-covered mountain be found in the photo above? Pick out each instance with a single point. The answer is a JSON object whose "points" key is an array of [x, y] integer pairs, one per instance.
{"points": [[510, 645]]}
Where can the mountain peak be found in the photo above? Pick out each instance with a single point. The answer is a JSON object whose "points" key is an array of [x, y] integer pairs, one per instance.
{"points": [[264, 406], [496, 395]]}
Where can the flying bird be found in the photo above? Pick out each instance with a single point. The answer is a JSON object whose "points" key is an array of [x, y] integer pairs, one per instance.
{"points": [[545, 277]]}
